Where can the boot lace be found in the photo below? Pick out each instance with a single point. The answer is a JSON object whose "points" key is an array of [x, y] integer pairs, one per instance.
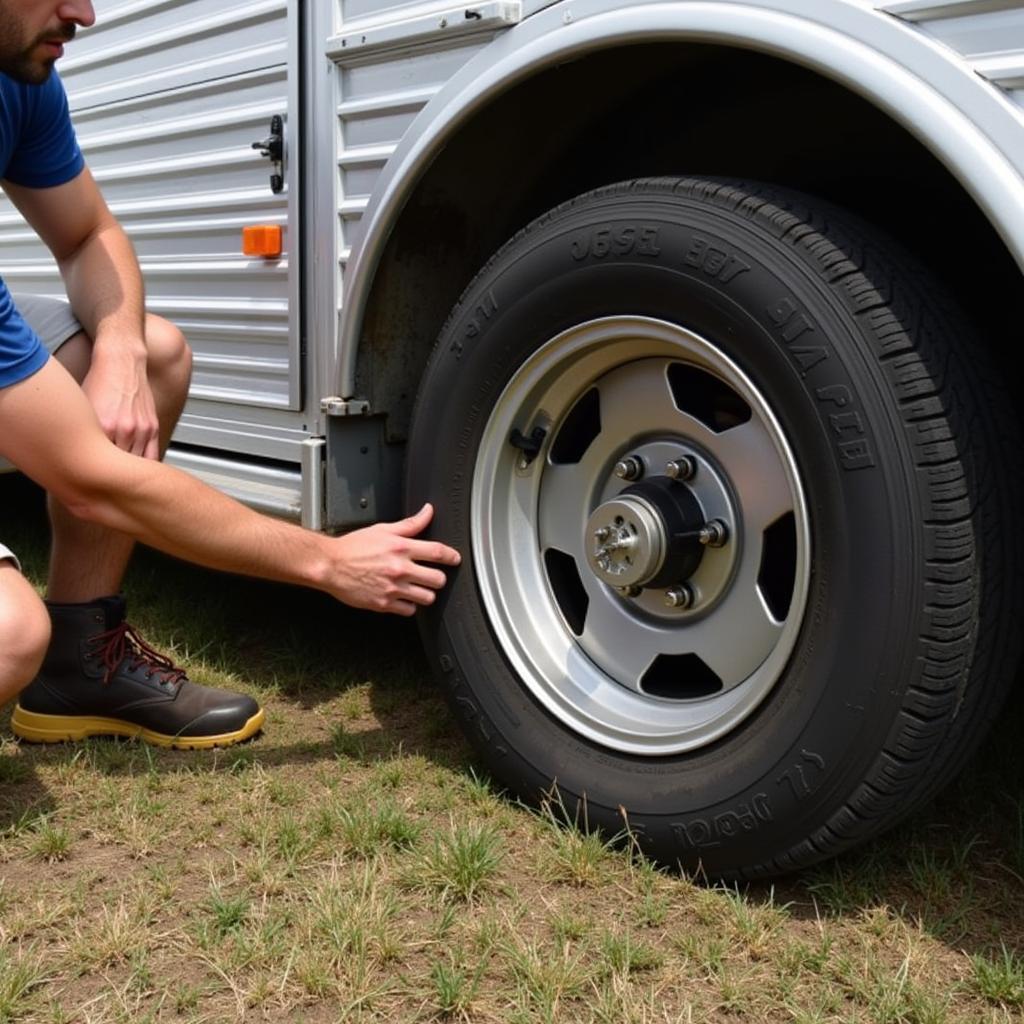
{"points": [[123, 641]]}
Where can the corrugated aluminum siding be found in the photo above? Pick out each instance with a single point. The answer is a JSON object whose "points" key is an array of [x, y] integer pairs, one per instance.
{"points": [[988, 33], [409, 51]]}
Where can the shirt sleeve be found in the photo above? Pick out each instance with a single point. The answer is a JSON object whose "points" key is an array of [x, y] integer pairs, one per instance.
{"points": [[46, 153], [21, 351]]}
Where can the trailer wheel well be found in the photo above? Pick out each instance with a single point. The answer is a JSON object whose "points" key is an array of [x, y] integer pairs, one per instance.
{"points": [[660, 109]]}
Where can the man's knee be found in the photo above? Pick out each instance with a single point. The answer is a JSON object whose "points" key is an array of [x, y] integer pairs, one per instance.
{"points": [[24, 632], [75, 355], [168, 356]]}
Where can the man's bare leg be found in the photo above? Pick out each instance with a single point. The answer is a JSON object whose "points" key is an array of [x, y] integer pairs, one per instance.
{"points": [[24, 631], [88, 561]]}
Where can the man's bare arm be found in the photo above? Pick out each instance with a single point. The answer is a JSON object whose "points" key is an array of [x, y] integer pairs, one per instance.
{"points": [[49, 430], [103, 282]]}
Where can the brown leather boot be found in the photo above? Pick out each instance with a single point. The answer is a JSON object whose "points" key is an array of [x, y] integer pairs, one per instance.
{"points": [[100, 678]]}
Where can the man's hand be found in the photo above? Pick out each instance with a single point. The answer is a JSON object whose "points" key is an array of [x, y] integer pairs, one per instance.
{"points": [[118, 390], [377, 567]]}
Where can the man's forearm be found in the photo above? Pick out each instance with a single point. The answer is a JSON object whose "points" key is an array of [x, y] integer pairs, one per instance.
{"points": [[376, 567], [172, 511], [105, 288]]}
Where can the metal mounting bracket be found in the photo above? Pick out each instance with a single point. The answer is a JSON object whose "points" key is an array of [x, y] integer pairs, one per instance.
{"points": [[332, 405]]}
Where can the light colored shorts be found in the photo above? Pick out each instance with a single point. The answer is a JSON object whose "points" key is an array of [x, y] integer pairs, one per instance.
{"points": [[51, 318]]}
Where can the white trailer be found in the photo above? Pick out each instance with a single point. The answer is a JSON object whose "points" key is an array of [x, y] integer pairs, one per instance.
{"points": [[694, 318]]}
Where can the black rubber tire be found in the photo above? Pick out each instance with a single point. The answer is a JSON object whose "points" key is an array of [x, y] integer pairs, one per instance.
{"points": [[908, 643]]}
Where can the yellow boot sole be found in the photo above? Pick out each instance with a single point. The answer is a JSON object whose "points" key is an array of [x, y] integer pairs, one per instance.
{"points": [[36, 728]]}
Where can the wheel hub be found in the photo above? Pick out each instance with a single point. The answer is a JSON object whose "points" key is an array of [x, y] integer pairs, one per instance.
{"points": [[649, 535]]}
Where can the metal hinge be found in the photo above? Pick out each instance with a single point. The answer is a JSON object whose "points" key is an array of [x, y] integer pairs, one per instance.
{"points": [[332, 405]]}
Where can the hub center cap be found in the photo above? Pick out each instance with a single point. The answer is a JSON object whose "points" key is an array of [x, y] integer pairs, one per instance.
{"points": [[626, 541], [647, 535]]}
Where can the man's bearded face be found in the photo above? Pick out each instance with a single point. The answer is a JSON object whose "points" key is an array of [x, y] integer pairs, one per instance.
{"points": [[28, 51]]}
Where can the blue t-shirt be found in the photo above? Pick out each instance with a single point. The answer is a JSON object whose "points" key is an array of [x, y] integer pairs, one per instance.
{"points": [[38, 149]]}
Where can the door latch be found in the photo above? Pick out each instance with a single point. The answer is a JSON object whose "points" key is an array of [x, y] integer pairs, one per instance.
{"points": [[272, 147]]}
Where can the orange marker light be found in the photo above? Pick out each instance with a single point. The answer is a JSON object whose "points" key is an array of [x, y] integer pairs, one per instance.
{"points": [[262, 240]]}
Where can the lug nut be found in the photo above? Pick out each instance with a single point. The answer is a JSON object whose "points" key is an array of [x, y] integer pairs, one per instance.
{"points": [[680, 596], [714, 533], [602, 534], [629, 468], [683, 468], [630, 591]]}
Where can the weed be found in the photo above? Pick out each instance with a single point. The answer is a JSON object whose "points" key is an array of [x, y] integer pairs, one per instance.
{"points": [[545, 978], [999, 979], [578, 858], [845, 885], [455, 986], [481, 790], [292, 841], [187, 997], [225, 913], [240, 761], [624, 955], [462, 863], [346, 744], [893, 997], [28, 820], [389, 774], [354, 918], [798, 956], [569, 927], [756, 924], [365, 830], [111, 937], [706, 952], [21, 973], [51, 842]]}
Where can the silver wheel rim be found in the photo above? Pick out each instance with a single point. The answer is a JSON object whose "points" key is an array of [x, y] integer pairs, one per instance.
{"points": [[595, 674]]}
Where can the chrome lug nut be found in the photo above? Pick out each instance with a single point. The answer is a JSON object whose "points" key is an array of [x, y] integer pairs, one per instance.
{"points": [[714, 534], [683, 468], [630, 591], [680, 596], [629, 468]]}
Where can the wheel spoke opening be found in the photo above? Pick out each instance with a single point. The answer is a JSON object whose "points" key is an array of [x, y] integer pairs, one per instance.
{"points": [[578, 430], [567, 587], [777, 576], [706, 398], [680, 677]]}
